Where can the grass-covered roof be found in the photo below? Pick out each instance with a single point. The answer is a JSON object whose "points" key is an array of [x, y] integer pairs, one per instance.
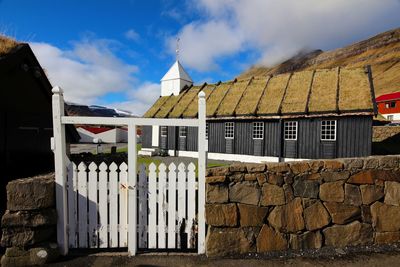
{"points": [[6, 45], [325, 91]]}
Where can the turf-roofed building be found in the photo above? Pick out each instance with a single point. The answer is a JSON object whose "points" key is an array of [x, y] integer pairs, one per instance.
{"points": [[325, 113]]}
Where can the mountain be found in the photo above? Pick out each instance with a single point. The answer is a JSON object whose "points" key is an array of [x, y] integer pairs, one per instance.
{"points": [[382, 52], [73, 109]]}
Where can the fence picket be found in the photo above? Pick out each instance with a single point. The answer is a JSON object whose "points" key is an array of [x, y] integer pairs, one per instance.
{"points": [[191, 202], [172, 206], [82, 206], [98, 206], [152, 206], [123, 205], [181, 202], [143, 192], [113, 211], [72, 210], [103, 206], [92, 201], [162, 204]]}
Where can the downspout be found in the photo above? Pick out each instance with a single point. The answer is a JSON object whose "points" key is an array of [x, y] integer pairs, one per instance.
{"points": [[281, 140], [176, 141]]}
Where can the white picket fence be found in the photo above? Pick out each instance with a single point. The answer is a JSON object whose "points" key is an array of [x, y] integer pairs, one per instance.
{"points": [[98, 206], [82, 223]]}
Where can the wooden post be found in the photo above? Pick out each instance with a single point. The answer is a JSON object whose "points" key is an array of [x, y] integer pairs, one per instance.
{"points": [[60, 169], [202, 172], [132, 174]]}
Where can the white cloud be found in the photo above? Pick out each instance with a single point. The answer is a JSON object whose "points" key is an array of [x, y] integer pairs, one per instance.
{"points": [[132, 35], [90, 70], [279, 29], [140, 99], [202, 43]]}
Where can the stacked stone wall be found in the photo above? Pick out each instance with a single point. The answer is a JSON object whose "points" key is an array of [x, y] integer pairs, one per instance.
{"points": [[302, 205], [29, 223]]}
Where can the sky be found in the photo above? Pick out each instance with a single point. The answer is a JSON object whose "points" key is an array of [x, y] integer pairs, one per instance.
{"points": [[114, 53]]}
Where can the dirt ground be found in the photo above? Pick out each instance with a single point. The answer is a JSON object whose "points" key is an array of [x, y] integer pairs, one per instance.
{"points": [[385, 259]]}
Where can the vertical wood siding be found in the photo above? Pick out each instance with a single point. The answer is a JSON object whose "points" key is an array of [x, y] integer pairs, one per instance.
{"points": [[147, 133], [354, 135], [272, 139], [353, 139], [243, 142], [172, 137], [191, 144], [308, 138], [216, 137]]}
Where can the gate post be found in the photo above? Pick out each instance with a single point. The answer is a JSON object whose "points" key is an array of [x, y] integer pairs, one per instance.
{"points": [[132, 177], [60, 168], [202, 173]]}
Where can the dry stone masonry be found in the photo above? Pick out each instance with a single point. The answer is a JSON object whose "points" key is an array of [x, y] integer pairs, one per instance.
{"points": [[302, 205], [29, 224]]}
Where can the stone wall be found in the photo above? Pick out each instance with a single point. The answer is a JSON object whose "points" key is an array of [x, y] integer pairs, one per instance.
{"points": [[29, 224], [381, 133], [386, 140], [302, 205]]}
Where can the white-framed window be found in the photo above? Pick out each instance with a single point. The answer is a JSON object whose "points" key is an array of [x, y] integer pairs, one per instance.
{"points": [[290, 130], [328, 130], [390, 104], [389, 117], [258, 130], [164, 130], [183, 131], [207, 130], [229, 130]]}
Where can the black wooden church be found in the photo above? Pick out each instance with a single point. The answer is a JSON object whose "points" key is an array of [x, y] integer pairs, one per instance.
{"points": [[324, 113]]}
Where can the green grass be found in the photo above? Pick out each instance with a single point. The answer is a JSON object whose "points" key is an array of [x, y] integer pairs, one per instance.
{"points": [[125, 149]]}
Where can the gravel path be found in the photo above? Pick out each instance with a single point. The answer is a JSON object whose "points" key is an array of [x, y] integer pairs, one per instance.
{"points": [[386, 259], [361, 256]]}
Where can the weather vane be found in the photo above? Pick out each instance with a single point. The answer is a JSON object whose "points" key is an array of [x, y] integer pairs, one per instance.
{"points": [[177, 49]]}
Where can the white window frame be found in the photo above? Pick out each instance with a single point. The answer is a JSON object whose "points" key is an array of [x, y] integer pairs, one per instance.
{"points": [[183, 131], [290, 130], [390, 117], [206, 130], [326, 130], [258, 130], [164, 131], [229, 130]]}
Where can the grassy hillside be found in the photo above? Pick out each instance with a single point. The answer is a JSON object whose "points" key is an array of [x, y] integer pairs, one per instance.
{"points": [[382, 52]]}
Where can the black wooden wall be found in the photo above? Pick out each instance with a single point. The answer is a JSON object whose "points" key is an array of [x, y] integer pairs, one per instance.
{"points": [[353, 139]]}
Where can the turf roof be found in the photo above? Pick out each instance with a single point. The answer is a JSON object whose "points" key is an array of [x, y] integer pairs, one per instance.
{"points": [[325, 91], [6, 45]]}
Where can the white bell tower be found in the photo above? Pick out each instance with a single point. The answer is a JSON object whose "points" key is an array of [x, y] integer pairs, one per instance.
{"points": [[176, 78]]}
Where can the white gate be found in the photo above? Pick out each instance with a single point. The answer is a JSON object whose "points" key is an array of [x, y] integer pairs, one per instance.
{"points": [[81, 209], [97, 197]]}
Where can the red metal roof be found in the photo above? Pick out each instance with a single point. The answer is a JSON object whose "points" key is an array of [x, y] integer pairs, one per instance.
{"points": [[96, 130], [388, 97]]}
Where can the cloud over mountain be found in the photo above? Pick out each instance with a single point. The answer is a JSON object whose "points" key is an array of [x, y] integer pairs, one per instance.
{"points": [[277, 30]]}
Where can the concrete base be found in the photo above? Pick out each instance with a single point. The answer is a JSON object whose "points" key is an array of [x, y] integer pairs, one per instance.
{"points": [[147, 152], [221, 156]]}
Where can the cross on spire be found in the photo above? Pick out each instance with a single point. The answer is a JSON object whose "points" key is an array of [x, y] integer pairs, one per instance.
{"points": [[177, 48]]}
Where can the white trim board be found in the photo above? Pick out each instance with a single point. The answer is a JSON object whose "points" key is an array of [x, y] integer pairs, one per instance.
{"points": [[233, 157]]}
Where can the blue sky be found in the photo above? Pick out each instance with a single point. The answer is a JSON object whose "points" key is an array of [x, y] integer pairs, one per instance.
{"points": [[115, 52]]}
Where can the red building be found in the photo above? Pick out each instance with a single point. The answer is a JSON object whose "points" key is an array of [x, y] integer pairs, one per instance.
{"points": [[389, 106]]}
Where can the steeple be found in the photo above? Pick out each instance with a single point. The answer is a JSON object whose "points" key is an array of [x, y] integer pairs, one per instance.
{"points": [[176, 78]]}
